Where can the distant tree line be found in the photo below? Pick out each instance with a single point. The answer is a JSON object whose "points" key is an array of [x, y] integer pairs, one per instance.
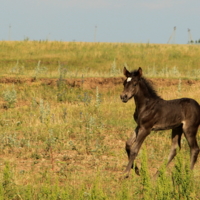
{"points": [[194, 42]]}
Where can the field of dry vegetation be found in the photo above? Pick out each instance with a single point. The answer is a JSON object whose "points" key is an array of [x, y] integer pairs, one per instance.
{"points": [[64, 127]]}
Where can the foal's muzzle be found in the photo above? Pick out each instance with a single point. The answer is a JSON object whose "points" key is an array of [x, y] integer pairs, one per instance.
{"points": [[124, 98]]}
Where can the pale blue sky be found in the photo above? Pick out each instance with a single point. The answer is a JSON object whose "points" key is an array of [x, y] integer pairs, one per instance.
{"points": [[137, 21]]}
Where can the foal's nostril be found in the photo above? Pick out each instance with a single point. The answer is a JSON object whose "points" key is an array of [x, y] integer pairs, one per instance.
{"points": [[123, 97]]}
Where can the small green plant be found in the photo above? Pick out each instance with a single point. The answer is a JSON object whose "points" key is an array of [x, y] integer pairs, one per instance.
{"points": [[39, 70], [163, 189], [9, 140], [182, 179], [96, 191], [44, 112], [8, 189], [145, 177], [36, 156], [98, 98], [61, 87], [174, 72], [195, 73], [179, 87], [50, 142], [124, 191], [114, 71], [64, 115], [17, 69], [152, 71], [85, 98], [64, 92], [62, 70], [10, 96]]}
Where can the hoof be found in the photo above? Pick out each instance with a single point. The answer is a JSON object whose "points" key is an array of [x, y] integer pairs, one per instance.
{"points": [[156, 175], [137, 171], [126, 175], [123, 176]]}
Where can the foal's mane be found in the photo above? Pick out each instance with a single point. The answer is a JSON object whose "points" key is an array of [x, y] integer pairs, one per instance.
{"points": [[146, 85]]}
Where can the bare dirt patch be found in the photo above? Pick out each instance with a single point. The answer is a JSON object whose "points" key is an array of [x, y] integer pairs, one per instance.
{"points": [[92, 83]]}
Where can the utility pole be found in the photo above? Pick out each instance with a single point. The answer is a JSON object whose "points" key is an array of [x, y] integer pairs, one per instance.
{"points": [[190, 40], [95, 33], [173, 36], [9, 33]]}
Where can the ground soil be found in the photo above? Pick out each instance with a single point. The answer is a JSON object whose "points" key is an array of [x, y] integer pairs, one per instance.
{"points": [[87, 83], [92, 83]]}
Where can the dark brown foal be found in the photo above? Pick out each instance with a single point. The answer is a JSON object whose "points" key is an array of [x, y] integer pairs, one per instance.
{"points": [[153, 113]]}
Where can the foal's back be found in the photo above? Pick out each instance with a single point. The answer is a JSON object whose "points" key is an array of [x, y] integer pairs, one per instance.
{"points": [[172, 113]]}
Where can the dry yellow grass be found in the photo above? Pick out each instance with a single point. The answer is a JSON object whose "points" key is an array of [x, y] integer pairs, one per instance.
{"points": [[64, 136], [97, 59]]}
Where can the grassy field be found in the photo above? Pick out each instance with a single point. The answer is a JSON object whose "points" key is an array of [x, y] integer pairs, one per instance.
{"points": [[64, 127], [46, 59]]}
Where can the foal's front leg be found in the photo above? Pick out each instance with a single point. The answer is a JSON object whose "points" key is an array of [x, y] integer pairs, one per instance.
{"points": [[130, 141], [133, 151], [129, 144]]}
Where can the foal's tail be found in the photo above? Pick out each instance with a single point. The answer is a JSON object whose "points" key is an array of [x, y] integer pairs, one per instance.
{"points": [[199, 114], [199, 117]]}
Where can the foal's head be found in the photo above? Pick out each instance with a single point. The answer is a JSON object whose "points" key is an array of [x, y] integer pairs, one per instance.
{"points": [[130, 84]]}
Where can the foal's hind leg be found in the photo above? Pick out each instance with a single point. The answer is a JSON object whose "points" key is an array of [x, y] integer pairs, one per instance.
{"points": [[190, 134], [176, 142]]}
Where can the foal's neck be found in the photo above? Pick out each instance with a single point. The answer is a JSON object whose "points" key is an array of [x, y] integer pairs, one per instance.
{"points": [[145, 94]]}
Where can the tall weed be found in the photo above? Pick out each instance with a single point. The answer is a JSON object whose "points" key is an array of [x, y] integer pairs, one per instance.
{"points": [[145, 177], [182, 179], [10, 96]]}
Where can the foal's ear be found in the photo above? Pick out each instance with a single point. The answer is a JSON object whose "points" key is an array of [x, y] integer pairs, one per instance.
{"points": [[126, 72], [140, 71]]}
